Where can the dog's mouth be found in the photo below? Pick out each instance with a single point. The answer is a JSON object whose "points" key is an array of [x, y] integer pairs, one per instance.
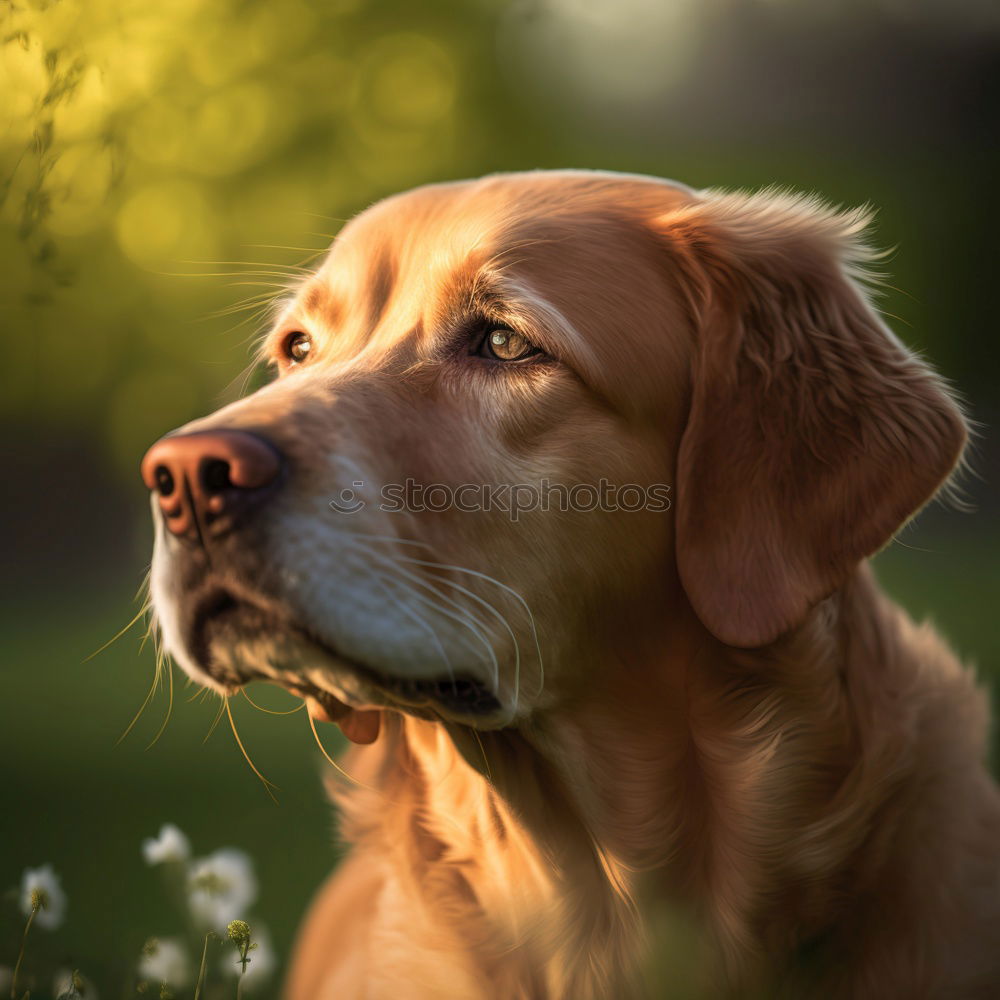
{"points": [[222, 620]]}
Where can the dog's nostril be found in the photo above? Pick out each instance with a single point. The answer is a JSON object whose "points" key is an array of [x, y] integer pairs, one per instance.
{"points": [[215, 475], [164, 481], [210, 478]]}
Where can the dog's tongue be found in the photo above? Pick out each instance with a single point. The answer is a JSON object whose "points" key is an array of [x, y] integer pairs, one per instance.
{"points": [[361, 725], [358, 725]]}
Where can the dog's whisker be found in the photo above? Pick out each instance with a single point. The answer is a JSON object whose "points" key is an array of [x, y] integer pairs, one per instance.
{"points": [[142, 708], [436, 565], [244, 377], [122, 631], [170, 707], [313, 252], [264, 319], [284, 276], [151, 633], [254, 301], [503, 621], [278, 287], [503, 586], [272, 711], [482, 750], [473, 624], [215, 721], [147, 636], [462, 617], [142, 594], [324, 218], [258, 319], [467, 616], [258, 323], [492, 609], [249, 265], [384, 582], [333, 763], [268, 785]]}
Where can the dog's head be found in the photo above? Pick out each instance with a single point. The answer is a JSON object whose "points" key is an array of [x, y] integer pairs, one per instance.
{"points": [[517, 422]]}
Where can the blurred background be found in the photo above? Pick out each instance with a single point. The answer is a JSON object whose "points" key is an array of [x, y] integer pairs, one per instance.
{"points": [[164, 171]]}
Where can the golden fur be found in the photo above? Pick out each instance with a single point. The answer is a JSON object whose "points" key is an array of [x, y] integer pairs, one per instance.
{"points": [[726, 721], [820, 810]]}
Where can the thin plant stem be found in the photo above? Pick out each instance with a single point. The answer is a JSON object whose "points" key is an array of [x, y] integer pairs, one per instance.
{"points": [[239, 987], [201, 971], [20, 957]]}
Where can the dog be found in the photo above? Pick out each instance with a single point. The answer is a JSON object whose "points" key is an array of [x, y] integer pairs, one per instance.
{"points": [[560, 505]]}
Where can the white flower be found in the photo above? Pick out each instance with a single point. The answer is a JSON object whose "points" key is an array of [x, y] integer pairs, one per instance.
{"points": [[221, 887], [262, 960], [62, 985], [165, 960], [43, 884], [170, 845]]}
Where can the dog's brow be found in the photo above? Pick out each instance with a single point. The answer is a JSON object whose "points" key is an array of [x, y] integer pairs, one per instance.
{"points": [[318, 300], [382, 278], [484, 295], [475, 285]]}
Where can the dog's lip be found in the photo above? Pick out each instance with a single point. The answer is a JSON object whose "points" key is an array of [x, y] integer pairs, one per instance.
{"points": [[459, 695], [360, 725]]}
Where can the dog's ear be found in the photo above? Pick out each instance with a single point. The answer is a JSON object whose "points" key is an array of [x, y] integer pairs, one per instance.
{"points": [[813, 434]]}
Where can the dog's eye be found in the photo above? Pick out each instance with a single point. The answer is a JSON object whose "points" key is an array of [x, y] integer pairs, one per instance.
{"points": [[503, 344], [297, 347]]}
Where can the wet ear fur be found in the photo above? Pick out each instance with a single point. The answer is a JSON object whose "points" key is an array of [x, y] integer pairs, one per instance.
{"points": [[813, 434]]}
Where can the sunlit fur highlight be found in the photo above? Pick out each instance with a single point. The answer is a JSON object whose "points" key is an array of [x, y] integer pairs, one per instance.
{"points": [[715, 713]]}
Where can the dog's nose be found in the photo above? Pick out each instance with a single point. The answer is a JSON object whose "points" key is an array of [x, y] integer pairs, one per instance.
{"points": [[206, 480]]}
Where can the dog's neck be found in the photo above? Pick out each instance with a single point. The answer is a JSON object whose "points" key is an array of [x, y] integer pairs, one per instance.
{"points": [[740, 786]]}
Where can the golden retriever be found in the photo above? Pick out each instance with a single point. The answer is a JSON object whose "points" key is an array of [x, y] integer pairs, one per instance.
{"points": [[560, 505]]}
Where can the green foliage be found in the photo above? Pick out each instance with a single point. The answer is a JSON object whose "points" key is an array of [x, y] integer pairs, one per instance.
{"points": [[162, 162], [142, 143]]}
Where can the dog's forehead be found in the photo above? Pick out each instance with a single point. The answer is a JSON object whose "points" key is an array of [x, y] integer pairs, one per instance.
{"points": [[425, 239], [397, 262], [401, 267], [408, 246]]}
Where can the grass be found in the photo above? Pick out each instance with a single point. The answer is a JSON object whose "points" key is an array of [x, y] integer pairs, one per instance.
{"points": [[75, 799]]}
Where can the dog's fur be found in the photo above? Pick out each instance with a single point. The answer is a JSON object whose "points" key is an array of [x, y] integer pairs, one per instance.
{"points": [[709, 717]]}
